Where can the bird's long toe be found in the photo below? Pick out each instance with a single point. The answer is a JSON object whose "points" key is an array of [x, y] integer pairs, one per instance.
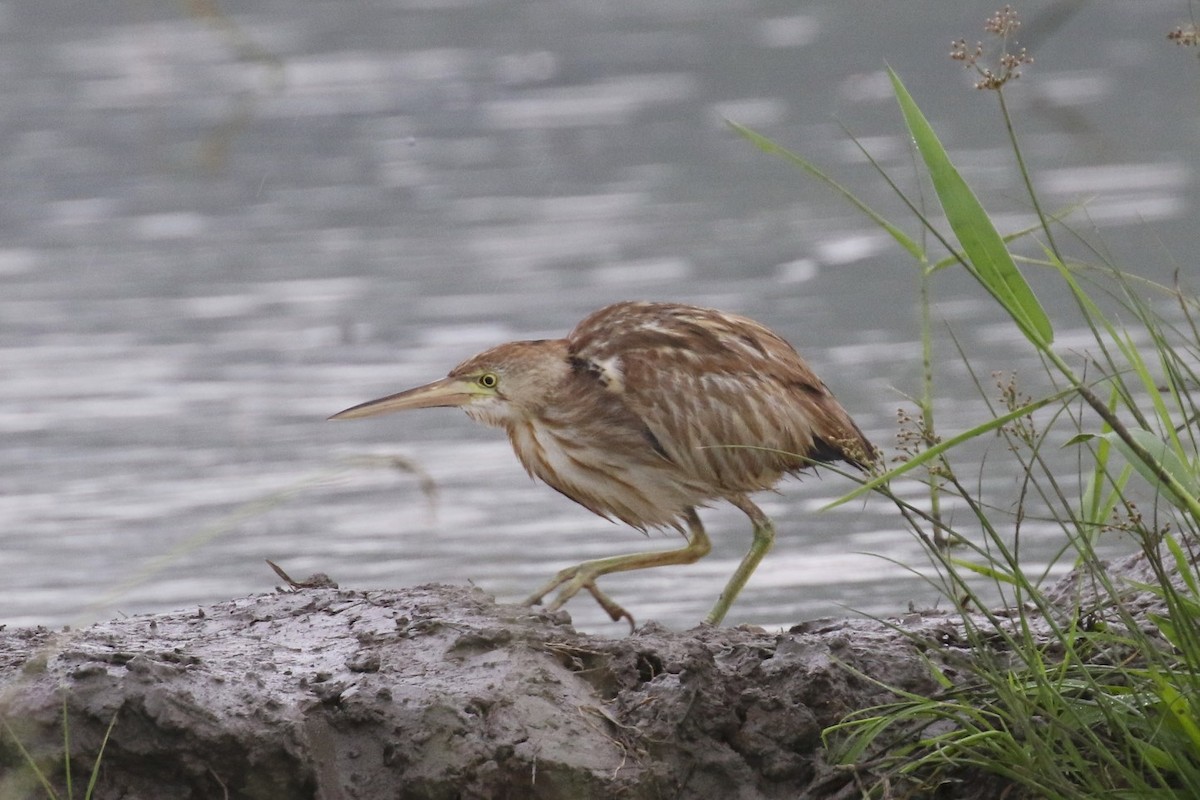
{"points": [[561, 577], [572, 579], [615, 611]]}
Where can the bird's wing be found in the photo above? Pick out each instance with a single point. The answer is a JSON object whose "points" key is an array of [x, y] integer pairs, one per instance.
{"points": [[728, 400]]}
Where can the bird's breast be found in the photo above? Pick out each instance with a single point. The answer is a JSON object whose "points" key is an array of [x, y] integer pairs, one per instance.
{"points": [[610, 474]]}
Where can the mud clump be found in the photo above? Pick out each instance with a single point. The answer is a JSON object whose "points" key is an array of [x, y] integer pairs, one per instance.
{"points": [[438, 692]]}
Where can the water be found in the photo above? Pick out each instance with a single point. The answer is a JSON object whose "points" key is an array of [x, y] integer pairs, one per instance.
{"points": [[219, 230]]}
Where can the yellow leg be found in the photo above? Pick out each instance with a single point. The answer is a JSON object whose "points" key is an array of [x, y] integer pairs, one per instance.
{"points": [[764, 537], [583, 576]]}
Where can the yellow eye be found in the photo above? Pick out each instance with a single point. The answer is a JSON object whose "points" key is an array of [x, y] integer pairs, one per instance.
{"points": [[488, 380]]}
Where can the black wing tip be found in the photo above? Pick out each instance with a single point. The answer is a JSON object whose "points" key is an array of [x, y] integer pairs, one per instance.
{"points": [[856, 452]]}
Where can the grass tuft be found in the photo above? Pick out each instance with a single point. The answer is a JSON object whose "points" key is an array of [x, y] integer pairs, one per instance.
{"points": [[1090, 687]]}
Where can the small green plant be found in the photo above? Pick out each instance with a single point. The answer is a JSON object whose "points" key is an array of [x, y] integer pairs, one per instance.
{"points": [[1081, 695]]}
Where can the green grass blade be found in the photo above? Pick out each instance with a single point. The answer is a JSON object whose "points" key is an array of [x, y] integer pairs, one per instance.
{"points": [[987, 256], [956, 258], [1179, 707], [1098, 504], [1130, 350], [993, 571], [1183, 565], [933, 452], [771, 148], [66, 725], [29, 760], [1162, 453], [99, 758]]}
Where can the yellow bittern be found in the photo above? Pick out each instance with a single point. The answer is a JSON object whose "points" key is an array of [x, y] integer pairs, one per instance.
{"points": [[644, 412]]}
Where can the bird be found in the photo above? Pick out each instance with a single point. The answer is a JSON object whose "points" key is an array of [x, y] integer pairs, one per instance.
{"points": [[645, 412]]}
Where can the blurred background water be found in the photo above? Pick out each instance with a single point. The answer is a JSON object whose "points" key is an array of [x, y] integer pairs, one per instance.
{"points": [[221, 224]]}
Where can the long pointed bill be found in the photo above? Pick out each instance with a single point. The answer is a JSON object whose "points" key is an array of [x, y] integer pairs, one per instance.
{"points": [[446, 392]]}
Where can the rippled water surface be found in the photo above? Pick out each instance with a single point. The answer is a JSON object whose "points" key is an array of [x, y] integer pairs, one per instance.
{"points": [[218, 230]]}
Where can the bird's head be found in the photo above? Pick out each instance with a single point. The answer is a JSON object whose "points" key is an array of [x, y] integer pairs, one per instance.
{"points": [[498, 387]]}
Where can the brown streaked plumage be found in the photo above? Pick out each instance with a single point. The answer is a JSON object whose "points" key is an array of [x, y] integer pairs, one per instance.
{"points": [[644, 412]]}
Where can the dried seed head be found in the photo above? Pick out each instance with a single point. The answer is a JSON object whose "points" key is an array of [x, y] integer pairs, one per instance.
{"points": [[1001, 25], [1187, 36]]}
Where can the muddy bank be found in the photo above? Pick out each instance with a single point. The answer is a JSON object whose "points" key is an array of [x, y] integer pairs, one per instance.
{"points": [[439, 692]]}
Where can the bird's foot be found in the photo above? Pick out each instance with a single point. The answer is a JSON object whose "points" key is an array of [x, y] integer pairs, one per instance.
{"points": [[571, 574], [615, 611], [576, 578]]}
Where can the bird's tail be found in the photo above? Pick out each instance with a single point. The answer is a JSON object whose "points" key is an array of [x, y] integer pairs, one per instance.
{"points": [[848, 444]]}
